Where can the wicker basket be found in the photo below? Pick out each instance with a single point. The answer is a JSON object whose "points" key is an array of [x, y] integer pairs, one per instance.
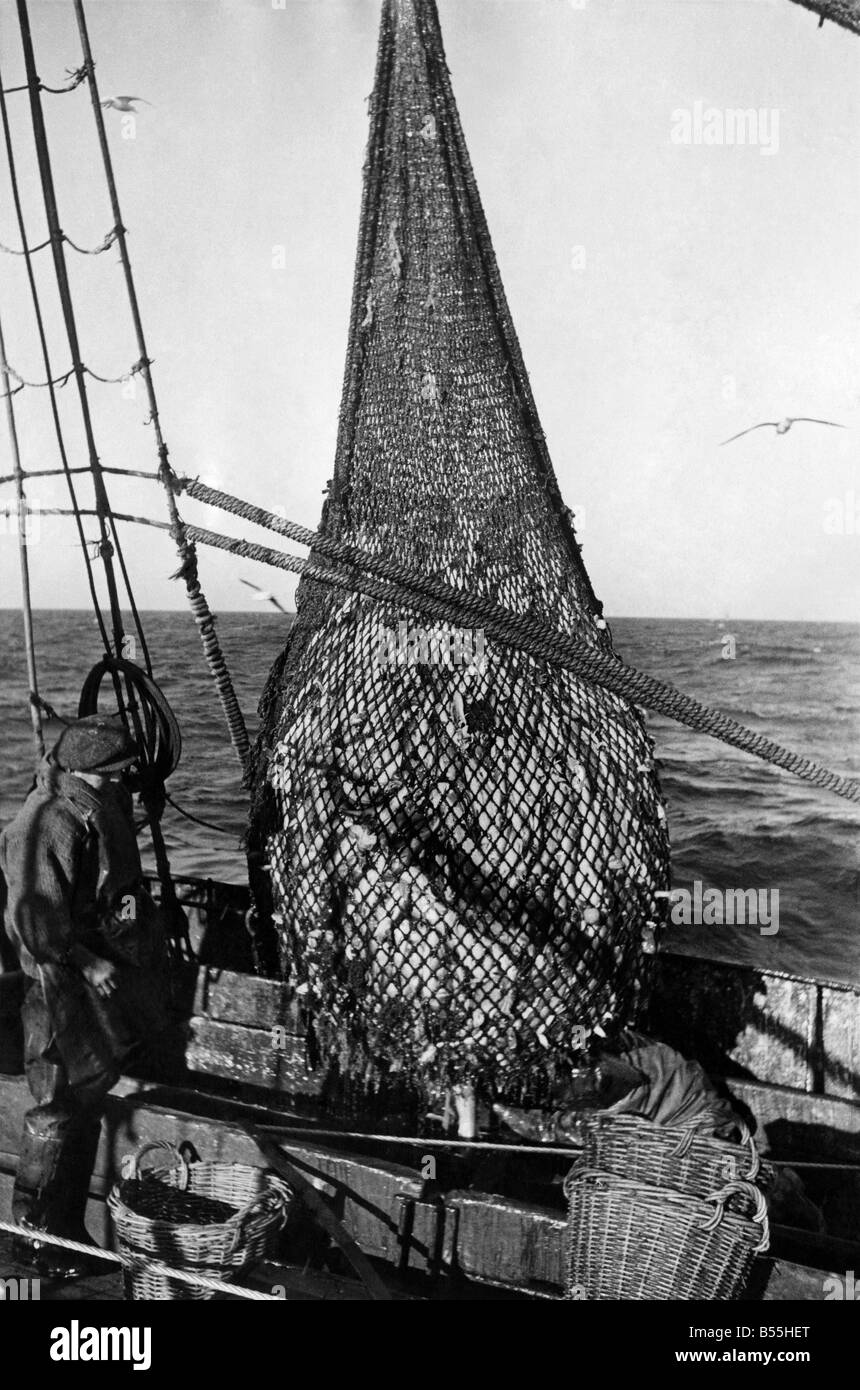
{"points": [[219, 1248], [681, 1158], [630, 1241]]}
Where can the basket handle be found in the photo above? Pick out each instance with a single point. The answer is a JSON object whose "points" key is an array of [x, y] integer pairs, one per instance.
{"points": [[755, 1160], [579, 1170], [759, 1216], [180, 1160], [270, 1198], [704, 1121]]}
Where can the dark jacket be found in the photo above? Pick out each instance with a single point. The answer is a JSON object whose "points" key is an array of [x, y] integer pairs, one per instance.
{"points": [[73, 877]]}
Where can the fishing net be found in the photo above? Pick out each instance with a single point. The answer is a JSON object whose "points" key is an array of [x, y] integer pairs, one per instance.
{"points": [[460, 844]]}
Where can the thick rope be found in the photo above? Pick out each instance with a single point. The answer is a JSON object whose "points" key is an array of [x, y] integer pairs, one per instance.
{"points": [[215, 660], [135, 1262], [433, 597]]}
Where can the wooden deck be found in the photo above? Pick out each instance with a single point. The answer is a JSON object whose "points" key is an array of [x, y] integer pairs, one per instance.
{"points": [[449, 1244], [787, 1048]]}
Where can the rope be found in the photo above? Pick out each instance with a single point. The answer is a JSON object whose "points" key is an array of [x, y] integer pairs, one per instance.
{"points": [[64, 377], [23, 561], [26, 250], [104, 245], [202, 614], [109, 538], [433, 597], [110, 545], [61, 472], [185, 1276], [9, 370], [207, 825], [285, 1132], [82, 250], [116, 380], [77, 76], [205, 620], [550, 1150], [43, 342], [39, 472]]}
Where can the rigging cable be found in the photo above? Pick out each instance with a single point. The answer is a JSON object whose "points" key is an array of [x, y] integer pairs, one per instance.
{"points": [[104, 245], [26, 607], [432, 597], [207, 824], [187, 552], [109, 545], [530, 633], [40, 325]]}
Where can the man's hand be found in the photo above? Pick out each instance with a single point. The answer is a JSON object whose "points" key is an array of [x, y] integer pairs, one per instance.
{"points": [[101, 975]]}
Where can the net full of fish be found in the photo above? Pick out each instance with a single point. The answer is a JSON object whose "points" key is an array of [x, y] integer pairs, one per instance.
{"points": [[465, 859], [460, 852]]}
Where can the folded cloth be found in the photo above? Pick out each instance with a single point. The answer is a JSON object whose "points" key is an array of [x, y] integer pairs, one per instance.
{"points": [[673, 1090], [648, 1079]]}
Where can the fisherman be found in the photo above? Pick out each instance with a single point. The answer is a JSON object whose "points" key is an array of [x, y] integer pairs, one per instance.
{"points": [[88, 936]]}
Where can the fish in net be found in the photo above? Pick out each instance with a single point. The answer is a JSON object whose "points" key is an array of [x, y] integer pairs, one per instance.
{"points": [[460, 846]]}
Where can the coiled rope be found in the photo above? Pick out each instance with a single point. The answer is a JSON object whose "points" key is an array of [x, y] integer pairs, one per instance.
{"points": [[135, 1262], [432, 597]]}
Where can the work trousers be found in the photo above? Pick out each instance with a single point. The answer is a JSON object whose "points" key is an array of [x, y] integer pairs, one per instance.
{"points": [[61, 1131]]}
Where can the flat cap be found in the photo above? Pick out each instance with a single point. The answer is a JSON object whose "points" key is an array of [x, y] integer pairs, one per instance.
{"points": [[95, 743]]}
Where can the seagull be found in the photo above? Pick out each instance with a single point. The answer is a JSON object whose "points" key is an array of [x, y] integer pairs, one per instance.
{"points": [[125, 103], [263, 595], [783, 426]]}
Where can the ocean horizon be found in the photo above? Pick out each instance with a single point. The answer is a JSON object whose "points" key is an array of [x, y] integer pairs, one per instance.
{"points": [[736, 824]]}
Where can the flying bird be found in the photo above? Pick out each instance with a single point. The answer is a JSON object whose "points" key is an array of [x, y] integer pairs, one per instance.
{"points": [[263, 595], [783, 426], [124, 103]]}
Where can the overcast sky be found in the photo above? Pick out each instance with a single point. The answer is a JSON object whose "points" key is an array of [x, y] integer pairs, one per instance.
{"points": [[666, 294]]}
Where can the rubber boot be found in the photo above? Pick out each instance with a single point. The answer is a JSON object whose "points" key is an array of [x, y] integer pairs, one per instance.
{"points": [[41, 1196], [76, 1170], [39, 1164]]}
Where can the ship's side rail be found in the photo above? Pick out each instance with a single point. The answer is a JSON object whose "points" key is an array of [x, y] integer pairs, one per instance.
{"points": [[739, 1021], [433, 1238], [786, 1046]]}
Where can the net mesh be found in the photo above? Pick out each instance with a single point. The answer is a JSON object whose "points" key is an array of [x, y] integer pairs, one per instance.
{"points": [[460, 845]]}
